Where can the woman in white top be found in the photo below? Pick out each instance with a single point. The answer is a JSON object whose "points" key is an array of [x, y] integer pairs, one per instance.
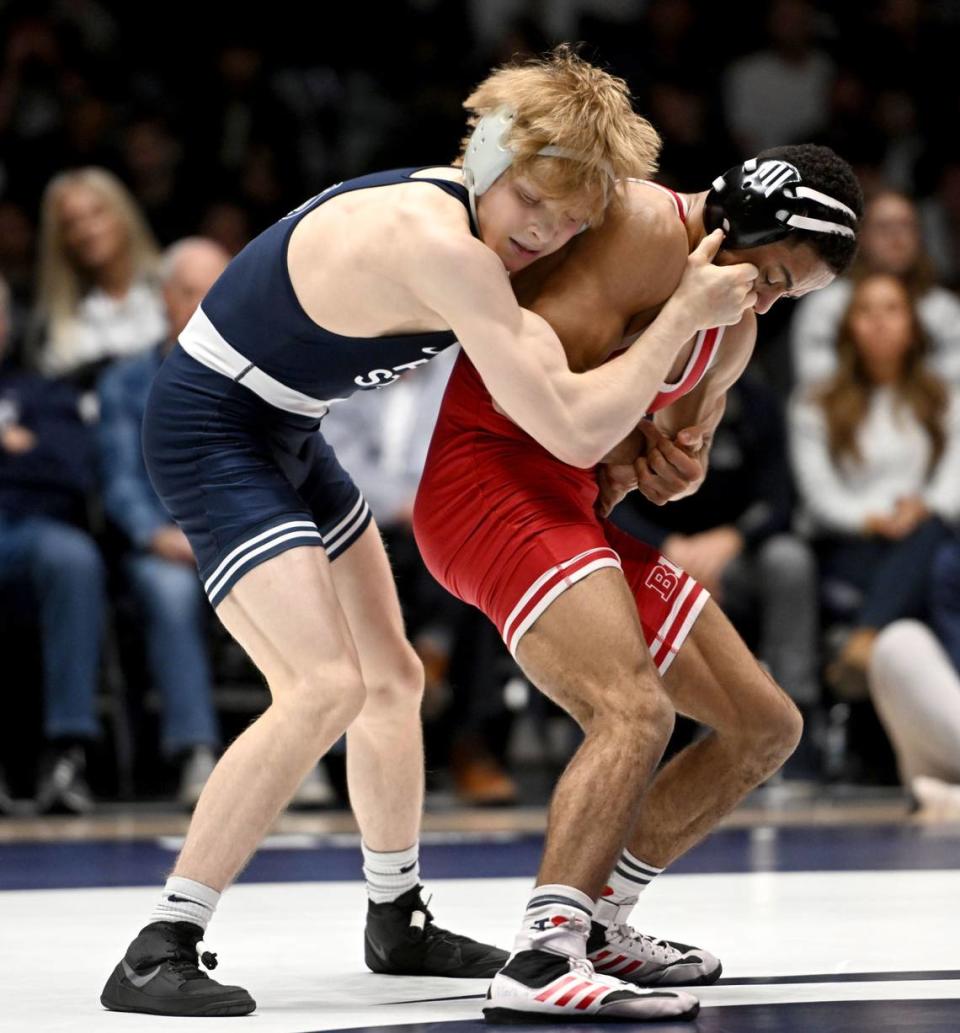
{"points": [[890, 242], [97, 298], [876, 452]]}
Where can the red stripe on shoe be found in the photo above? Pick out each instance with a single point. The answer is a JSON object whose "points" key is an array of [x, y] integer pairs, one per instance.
{"points": [[607, 965], [554, 988], [632, 967], [585, 1002], [571, 993]]}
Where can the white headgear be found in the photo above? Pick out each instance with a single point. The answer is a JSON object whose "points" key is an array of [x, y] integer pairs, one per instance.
{"points": [[488, 155]]}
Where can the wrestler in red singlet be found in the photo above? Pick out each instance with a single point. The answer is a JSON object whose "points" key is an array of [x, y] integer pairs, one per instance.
{"points": [[504, 525]]}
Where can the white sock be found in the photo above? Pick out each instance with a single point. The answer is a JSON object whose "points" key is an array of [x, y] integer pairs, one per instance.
{"points": [[184, 900], [627, 881], [390, 873], [557, 919]]}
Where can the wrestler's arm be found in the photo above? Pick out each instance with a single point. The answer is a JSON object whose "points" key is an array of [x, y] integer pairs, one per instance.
{"points": [[703, 407], [578, 417], [672, 454]]}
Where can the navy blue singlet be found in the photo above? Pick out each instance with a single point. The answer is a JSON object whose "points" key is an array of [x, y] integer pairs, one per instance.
{"points": [[251, 315], [230, 433]]}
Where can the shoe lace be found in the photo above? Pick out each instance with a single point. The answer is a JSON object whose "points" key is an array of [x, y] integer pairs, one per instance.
{"points": [[659, 950], [185, 961], [583, 968]]}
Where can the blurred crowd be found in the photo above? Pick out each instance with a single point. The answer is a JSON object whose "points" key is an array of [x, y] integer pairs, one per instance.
{"points": [[136, 157]]}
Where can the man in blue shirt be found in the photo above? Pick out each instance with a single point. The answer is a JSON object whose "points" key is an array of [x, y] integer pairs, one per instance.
{"points": [[159, 564], [47, 556]]}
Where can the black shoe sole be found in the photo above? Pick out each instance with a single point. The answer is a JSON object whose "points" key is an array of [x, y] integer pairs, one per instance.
{"points": [[129, 999], [514, 1017], [374, 961], [211, 1010]]}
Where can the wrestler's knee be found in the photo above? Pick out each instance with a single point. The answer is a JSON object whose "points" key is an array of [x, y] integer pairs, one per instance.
{"points": [[319, 696], [633, 705], [396, 684], [771, 731]]}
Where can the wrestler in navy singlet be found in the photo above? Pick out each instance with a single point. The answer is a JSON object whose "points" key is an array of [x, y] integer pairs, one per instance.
{"points": [[231, 433]]}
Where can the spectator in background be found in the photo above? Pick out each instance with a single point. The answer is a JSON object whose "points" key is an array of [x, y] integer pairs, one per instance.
{"points": [[97, 298], [46, 555], [781, 94], [228, 223], [382, 441], [876, 451], [733, 535], [154, 167], [239, 130], [17, 263], [915, 684], [941, 220], [34, 92], [890, 242], [159, 563]]}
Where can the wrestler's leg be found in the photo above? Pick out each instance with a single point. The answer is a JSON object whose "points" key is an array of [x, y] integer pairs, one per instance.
{"points": [[385, 742], [385, 776], [754, 727], [286, 616], [587, 653]]}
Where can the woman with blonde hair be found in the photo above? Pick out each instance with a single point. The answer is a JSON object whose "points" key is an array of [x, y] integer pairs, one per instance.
{"points": [[876, 451], [364, 282], [97, 298]]}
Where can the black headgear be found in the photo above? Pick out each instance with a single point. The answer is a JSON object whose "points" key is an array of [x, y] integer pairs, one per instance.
{"points": [[765, 200]]}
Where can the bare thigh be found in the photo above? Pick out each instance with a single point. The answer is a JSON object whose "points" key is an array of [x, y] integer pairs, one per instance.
{"points": [[367, 593], [716, 680], [587, 652], [286, 615]]}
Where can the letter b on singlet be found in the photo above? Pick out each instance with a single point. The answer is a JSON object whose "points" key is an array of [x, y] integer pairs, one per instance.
{"points": [[663, 581]]}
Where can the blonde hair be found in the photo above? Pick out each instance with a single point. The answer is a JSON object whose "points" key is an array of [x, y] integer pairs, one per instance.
{"points": [[561, 100], [61, 284]]}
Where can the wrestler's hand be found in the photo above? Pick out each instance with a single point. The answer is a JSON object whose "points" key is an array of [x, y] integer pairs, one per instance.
{"points": [[16, 440], [615, 480], [705, 556], [170, 543], [714, 295], [670, 469]]}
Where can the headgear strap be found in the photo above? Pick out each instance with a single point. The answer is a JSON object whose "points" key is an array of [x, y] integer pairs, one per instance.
{"points": [[488, 155]]}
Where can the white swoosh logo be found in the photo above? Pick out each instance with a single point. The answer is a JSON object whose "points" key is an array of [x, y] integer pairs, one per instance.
{"points": [[138, 981]]}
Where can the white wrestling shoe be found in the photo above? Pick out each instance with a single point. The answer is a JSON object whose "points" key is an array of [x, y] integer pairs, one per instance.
{"points": [[538, 986], [619, 950]]}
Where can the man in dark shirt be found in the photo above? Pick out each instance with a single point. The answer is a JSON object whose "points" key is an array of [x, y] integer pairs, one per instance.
{"points": [[159, 563], [46, 472]]}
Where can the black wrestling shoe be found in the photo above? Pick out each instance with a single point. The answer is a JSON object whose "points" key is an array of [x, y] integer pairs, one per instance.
{"points": [[160, 975], [401, 940]]}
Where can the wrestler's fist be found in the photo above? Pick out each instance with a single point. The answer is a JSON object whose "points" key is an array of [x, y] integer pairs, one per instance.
{"points": [[669, 469], [714, 295]]}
